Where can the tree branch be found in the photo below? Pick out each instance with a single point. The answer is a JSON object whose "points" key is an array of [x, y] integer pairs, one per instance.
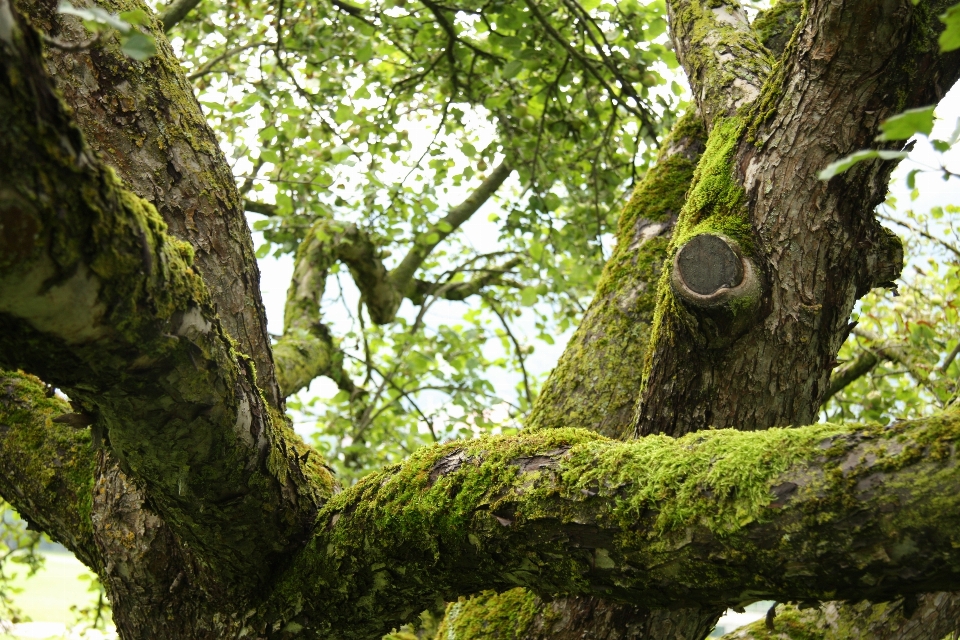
{"points": [[725, 63], [46, 467], [402, 275], [929, 616], [853, 370], [104, 304], [715, 518], [176, 11], [307, 350], [173, 161]]}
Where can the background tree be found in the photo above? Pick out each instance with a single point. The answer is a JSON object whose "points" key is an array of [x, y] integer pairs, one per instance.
{"points": [[188, 458]]}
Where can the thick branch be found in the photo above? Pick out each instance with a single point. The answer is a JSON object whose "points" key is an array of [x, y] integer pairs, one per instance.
{"points": [[402, 275], [817, 245], [307, 350], [144, 120], [725, 63], [46, 467], [104, 304], [597, 380], [715, 518]]}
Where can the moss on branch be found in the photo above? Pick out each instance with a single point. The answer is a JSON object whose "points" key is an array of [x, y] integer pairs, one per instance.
{"points": [[106, 305], [725, 63], [46, 468], [597, 380], [720, 517]]}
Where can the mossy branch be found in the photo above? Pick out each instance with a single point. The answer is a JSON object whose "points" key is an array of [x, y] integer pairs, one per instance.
{"points": [[930, 616], [103, 303], [600, 366], [714, 518], [46, 467], [725, 63]]}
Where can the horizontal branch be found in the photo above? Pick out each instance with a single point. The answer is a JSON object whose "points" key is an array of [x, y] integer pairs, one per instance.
{"points": [[107, 306], [714, 518]]}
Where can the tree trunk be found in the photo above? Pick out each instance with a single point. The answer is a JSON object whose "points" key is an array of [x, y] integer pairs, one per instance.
{"points": [[208, 518]]}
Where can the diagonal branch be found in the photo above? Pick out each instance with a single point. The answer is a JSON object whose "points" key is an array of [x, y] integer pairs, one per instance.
{"points": [[175, 12], [107, 306], [402, 275]]}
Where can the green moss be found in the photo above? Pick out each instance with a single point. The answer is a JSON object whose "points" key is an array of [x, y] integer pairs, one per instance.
{"points": [[715, 203], [492, 616], [596, 382], [48, 467], [776, 25], [500, 512]]}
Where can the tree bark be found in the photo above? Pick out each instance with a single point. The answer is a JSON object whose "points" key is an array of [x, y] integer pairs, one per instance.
{"points": [[720, 518], [143, 120], [199, 470], [758, 361], [105, 305]]}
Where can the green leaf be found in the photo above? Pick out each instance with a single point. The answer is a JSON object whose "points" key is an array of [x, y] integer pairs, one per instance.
{"points": [[528, 296], [135, 16], [841, 165], [950, 38], [139, 47], [912, 178], [95, 15], [512, 68], [908, 123]]}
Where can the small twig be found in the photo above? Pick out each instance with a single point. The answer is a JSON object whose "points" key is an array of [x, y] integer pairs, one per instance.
{"points": [[516, 346]]}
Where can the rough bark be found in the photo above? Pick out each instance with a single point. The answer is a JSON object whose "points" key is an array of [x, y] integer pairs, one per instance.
{"points": [[101, 302], [596, 382], [719, 518], [759, 187], [96, 305], [144, 121], [518, 613]]}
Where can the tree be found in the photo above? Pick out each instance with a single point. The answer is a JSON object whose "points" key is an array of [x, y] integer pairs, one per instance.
{"points": [[128, 280]]}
